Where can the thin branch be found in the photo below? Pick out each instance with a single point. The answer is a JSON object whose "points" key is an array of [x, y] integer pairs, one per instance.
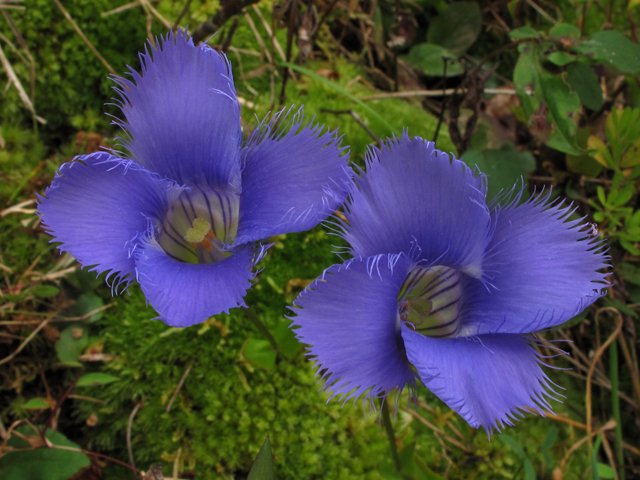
{"points": [[592, 367], [128, 6], [129, 425], [356, 117], [180, 383], [181, 15], [25, 343], [436, 93], [228, 9], [84, 38]]}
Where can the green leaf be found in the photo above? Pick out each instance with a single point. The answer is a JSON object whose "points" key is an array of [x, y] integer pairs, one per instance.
{"points": [[73, 340], [262, 468], [529, 471], [584, 164], [259, 353], [45, 291], [95, 379], [41, 463], [341, 90], [614, 49], [629, 272], [85, 280], [513, 444], [605, 471], [87, 303], [561, 58], [37, 403], [429, 58], [584, 82], [526, 81], [504, 167], [288, 344], [523, 32], [550, 439], [558, 142], [563, 104], [564, 30], [457, 27], [629, 247]]}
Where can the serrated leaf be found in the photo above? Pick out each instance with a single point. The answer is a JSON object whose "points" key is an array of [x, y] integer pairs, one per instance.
{"points": [[259, 353], [584, 82], [457, 27], [428, 58], [262, 468], [614, 49], [561, 58], [95, 379], [41, 463], [45, 291]]}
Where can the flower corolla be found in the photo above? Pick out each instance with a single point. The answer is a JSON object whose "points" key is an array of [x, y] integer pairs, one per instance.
{"points": [[445, 288], [185, 210]]}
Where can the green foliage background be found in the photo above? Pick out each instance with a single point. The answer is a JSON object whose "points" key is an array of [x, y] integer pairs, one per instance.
{"points": [[229, 402]]}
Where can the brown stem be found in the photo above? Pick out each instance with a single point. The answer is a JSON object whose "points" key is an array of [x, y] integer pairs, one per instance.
{"points": [[228, 9], [293, 13]]}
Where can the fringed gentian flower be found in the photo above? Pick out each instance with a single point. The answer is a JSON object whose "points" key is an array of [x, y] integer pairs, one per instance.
{"points": [[444, 287], [184, 212]]}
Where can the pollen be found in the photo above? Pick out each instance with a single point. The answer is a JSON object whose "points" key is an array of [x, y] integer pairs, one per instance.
{"points": [[198, 232]]}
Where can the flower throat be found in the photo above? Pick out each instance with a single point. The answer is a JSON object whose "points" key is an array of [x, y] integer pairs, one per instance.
{"points": [[199, 225], [430, 301]]}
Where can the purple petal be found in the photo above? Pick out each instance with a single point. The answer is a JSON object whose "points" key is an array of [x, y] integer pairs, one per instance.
{"points": [[291, 181], [415, 194], [540, 269], [182, 116], [349, 317], [488, 380], [99, 207], [184, 294]]}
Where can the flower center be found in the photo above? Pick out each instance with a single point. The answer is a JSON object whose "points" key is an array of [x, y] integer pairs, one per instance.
{"points": [[199, 225], [430, 300]]}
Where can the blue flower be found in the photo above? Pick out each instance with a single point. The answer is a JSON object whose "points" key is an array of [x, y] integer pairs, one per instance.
{"points": [[444, 288], [184, 212]]}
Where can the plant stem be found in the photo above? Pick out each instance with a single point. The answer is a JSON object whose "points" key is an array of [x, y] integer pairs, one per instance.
{"points": [[386, 420], [261, 326], [615, 405]]}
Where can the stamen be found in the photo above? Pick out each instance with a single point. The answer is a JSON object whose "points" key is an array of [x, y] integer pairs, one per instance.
{"points": [[199, 226], [198, 232]]}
